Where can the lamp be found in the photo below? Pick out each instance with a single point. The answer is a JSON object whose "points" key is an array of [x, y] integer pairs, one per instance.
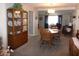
{"points": [[51, 11]]}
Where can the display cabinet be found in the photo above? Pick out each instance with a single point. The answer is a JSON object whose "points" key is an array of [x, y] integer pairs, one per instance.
{"points": [[17, 23]]}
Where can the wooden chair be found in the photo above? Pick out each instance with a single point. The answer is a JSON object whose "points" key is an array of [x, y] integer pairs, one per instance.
{"points": [[57, 36], [45, 37]]}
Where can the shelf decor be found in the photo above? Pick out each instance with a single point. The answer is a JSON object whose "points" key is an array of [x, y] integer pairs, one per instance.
{"points": [[17, 6]]}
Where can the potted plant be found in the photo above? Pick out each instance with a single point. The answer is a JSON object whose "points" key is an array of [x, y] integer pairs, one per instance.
{"points": [[17, 6]]}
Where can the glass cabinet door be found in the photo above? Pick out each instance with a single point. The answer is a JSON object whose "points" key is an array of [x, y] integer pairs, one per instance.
{"points": [[9, 15], [25, 21], [18, 26], [25, 15]]}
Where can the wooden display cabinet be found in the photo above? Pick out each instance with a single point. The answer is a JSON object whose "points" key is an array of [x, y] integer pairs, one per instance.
{"points": [[17, 23]]}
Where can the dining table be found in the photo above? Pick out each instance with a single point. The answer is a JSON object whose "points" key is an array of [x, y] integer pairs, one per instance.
{"points": [[53, 31]]}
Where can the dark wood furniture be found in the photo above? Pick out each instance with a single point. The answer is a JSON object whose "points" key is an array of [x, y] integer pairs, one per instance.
{"points": [[73, 50], [17, 23]]}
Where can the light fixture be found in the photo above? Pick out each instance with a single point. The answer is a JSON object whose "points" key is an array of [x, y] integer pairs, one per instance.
{"points": [[51, 11]]}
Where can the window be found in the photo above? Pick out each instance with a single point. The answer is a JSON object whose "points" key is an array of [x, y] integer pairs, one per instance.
{"points": [[52, 20]]}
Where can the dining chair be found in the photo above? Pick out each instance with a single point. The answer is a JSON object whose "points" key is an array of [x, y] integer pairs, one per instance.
{"points": [[57, 35], [45, 37]]}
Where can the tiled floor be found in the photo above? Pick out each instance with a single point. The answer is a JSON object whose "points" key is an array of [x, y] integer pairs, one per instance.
{"points": [[32, 48]]}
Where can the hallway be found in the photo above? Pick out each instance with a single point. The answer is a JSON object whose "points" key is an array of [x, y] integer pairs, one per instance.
{"points": [[32, 48]]}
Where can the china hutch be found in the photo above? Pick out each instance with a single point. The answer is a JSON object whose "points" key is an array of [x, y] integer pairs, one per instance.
{"points": [[17, 23]]}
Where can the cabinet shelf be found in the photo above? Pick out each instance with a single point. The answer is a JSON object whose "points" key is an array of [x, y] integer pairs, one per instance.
{"points": [[14, 17]]}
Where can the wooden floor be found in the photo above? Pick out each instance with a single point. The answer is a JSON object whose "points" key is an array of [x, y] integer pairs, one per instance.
{"points": [[32, 48]]}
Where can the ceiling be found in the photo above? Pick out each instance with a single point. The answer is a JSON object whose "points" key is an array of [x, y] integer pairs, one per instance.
{"points": [[58, 12], [45, 5]]}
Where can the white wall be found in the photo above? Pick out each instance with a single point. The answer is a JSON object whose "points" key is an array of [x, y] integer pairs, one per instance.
{"points": [[76, 21], [3, 24], [8, 5], [35, 22], [66, 19], [41, 21]]}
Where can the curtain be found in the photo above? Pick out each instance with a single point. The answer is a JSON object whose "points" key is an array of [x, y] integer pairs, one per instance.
{"points": [[46, 21], [60, 19]]}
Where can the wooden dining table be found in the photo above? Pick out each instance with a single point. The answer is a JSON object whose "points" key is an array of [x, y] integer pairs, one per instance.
{"points": [[53, 31]]}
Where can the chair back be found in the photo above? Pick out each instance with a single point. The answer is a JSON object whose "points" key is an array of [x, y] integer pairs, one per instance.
{"points": [[45, 35]]}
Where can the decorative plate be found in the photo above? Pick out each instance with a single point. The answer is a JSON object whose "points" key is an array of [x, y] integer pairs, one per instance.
{"points": [[18, 32], [10, 15], [10, 23], [11, 33], [15, 23], [19, 23], [24, 21], [24, 15], [15, 15]]}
